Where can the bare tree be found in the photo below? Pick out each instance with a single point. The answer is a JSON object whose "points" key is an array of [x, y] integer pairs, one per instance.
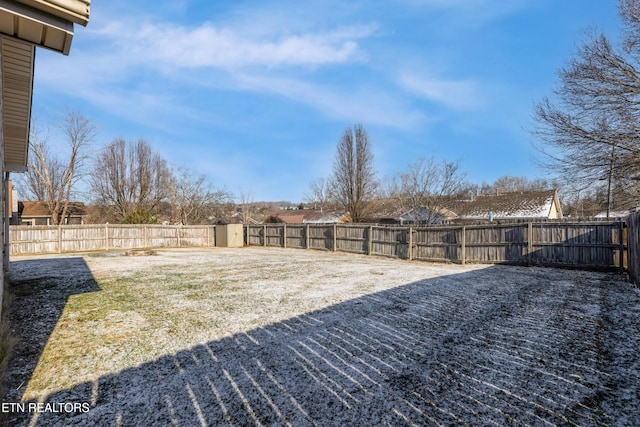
{"points": [[131, 179], [245, 202], [52, 180], [589, 134], [509, 183], [426, 182], [354, 178], [320, 193], [192, 197], [44, 170]]}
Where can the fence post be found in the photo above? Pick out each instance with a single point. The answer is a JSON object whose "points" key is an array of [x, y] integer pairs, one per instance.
{"points": [[264, 235], [284, 236], [463, 246], [335, 237], [370, 248], [106, 236], [410, 251], [529, 242], [307, 238], [145, 233], [59, 239], [621, 240]]}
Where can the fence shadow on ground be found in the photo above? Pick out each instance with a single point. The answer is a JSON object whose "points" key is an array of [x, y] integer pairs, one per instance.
{"points": [[39, 291], [493, 346]]}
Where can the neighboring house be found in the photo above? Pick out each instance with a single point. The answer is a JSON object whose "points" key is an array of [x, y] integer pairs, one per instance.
{"points": [[12, 203], [25, 25], [519, 205], [37, 213], [615, 214], [423, 215], [309, 216]]}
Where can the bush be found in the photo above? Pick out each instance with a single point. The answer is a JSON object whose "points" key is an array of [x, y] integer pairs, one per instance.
{"points": [[140, 217]]}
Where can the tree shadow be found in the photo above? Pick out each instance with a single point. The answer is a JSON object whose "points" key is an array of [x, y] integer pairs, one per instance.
{"points": [[39, 290], [491, 346]]}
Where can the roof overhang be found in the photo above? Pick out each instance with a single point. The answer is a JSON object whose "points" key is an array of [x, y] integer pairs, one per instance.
{"points": [[72, 10], [25, 24], [17, 89], [35, 26]]}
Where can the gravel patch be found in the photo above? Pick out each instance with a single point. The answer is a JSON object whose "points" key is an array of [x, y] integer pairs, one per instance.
{"points": [[266, 336]]}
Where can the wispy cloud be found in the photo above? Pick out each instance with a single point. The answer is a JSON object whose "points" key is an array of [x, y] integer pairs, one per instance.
{"points": [[358, 103], [208, 45], [328, 68], [458, 94], [134, 71]]}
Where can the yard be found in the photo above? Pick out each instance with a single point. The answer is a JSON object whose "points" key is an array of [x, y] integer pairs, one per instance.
{"points": [[268, 336]]}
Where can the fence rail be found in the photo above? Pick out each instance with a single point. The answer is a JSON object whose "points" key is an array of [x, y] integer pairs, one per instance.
{"points": [[78, 238], [598, 244], [594, 245]]}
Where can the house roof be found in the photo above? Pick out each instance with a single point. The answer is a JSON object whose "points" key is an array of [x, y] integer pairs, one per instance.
{"points": [[312, 216], [615, 214], [421, 213], [519, 204], [73, 10], [45, 23], [40, 209]]}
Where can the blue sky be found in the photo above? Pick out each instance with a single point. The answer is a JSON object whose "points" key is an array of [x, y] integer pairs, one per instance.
{"points": [[256, 94]]}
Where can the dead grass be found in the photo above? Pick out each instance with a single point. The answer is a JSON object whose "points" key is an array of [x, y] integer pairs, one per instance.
{"points": [[152, 306], [290, 337]]}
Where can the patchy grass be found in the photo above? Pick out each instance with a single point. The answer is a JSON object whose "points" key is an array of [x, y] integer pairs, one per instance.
{"points": [[149, 306], [291, 337]]}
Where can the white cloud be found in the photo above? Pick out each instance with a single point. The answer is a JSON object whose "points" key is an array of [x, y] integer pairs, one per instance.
{"points": [[119, 65], [134, 71], [354, 104], [210, 46], [458, 94]]}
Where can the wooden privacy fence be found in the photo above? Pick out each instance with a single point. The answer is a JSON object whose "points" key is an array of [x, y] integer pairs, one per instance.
{"points": [[597, 244], [79, 238], [633, 232]]}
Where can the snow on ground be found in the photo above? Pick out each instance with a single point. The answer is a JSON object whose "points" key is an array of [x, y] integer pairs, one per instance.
{"points": [[338, 339]]}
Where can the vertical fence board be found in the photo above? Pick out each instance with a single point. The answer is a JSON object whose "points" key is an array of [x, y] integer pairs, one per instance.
{"points": [[321, 237], [295, 236], [598, 244], [633, 244], [81, 238], [567, 244]]}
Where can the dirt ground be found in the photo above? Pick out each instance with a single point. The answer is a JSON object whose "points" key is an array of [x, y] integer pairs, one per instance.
{"points": [[266, 336]]}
